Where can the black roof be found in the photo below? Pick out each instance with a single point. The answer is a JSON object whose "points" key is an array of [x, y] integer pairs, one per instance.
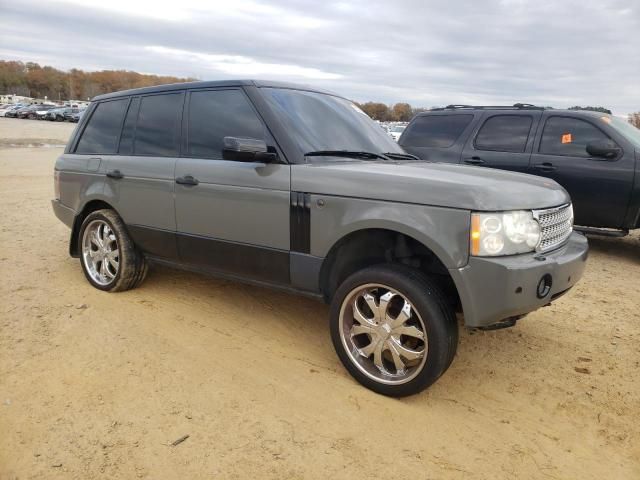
{"points": [[210, 84], [515, 106]]}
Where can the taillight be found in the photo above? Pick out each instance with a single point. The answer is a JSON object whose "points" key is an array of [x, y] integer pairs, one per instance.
{"points": [[56, 184]]}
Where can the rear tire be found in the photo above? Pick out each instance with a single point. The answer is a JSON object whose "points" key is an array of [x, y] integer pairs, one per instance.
{"points": [[110, 260], [405, 341]]}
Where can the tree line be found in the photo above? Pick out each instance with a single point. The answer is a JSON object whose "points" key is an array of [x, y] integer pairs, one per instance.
{"points": [[400, 112], [32, 80]]}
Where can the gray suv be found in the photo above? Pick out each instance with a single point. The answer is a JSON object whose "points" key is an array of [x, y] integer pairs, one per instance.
{"points": [[295, 188]]}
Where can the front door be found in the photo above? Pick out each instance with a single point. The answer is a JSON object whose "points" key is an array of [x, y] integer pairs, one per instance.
{"points": [[503, 140], [232, 217], [599, 188]]}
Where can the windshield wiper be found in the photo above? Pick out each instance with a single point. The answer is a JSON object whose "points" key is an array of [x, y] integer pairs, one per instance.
{"points": [[345, 153], [401, 156]]}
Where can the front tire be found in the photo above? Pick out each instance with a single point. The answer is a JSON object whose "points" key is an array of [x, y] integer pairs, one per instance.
{"points": [[393, 329], [110, 261]]}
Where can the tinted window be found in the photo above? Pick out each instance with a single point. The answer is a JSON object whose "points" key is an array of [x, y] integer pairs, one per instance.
{"points": [[158, 127], [319, 121], [436, 130], [569, 136], [214, 115], [128, 131], [504, 133], [103, 130]]}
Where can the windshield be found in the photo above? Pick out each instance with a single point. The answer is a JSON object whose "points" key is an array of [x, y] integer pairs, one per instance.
{"points": [[398, 129], [319, 121], [627, 130]]}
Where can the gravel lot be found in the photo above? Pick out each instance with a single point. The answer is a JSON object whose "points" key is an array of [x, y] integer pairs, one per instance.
{"points": [[97, 385]]}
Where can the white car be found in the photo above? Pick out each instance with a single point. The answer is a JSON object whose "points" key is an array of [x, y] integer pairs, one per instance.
{"points": [[396, 131], [8, 108]]}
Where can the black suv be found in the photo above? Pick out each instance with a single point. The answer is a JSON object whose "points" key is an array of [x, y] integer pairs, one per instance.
{"points": [[594, 156]]}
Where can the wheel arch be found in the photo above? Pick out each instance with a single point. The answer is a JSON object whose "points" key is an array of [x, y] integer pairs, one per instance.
{"points": [[364, 247], [88, 208]]}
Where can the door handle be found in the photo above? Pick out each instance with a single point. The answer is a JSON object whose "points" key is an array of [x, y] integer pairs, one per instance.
{"points": [[475, 160], [187, 180], [115, 174], [545, 166]]}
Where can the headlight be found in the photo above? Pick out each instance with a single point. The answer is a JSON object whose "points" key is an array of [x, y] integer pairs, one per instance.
{"points": [[504, 233]]}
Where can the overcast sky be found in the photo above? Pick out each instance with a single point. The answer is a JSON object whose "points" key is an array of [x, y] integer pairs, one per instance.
{"points": [[547, 52]]}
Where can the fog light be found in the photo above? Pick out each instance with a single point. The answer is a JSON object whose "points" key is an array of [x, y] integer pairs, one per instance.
{"points": [[544, 286]]}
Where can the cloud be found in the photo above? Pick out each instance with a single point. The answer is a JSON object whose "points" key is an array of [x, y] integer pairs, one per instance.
{"points": [[240, 66], [426, 52]]}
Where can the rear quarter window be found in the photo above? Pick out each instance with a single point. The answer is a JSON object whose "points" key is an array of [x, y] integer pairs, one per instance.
{"points": [[102, 133], [439, 131]]}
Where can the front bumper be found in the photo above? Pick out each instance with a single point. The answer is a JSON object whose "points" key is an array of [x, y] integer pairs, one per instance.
{"points": [[65, 214], [493, 289]]}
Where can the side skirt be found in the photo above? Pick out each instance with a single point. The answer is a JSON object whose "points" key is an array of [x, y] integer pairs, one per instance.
{"points": [[236, 278]]}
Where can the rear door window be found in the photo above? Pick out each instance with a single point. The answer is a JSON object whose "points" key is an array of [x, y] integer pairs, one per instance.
{"points": [[504, 133], [215, 114], [440, 131], [101, 134], [568, 136], [129, 129], [157, 130]]}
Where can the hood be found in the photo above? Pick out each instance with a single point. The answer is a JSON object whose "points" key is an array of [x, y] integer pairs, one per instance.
{"points": [[438, 184]]}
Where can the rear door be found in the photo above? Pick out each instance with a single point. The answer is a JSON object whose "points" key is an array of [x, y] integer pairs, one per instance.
{"points": [[599, 188], [233, 217], [437, 136], [141, 177], [503, 140]]}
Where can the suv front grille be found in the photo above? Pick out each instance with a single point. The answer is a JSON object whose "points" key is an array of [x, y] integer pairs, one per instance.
{"points": [[556, 225]]}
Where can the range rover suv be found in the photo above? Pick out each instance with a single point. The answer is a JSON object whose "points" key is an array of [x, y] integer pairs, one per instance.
{"points": [[295, 188]]}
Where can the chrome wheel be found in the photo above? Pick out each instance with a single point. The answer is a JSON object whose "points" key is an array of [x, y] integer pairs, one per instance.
{"points": [[100, 252], [383, 334]]}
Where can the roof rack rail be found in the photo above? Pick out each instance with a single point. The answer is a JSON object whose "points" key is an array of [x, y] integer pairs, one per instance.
{"points": [[515, 106]]}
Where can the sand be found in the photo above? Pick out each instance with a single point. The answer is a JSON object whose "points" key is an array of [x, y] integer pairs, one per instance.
{"points": [[97, 385]]}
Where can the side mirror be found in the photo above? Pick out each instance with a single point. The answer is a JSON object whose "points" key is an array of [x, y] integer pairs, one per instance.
{"points": [[603, 149], [247, 150]]}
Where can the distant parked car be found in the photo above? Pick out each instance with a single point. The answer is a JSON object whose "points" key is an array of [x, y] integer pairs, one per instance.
{"points": [[27, 112], [13, 112], [75, 117], [58, 114], [5, 108], [396, 131], [41, 111]]}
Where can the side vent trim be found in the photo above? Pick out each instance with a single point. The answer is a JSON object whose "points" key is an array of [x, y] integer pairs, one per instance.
{"points": [[300, 222]]}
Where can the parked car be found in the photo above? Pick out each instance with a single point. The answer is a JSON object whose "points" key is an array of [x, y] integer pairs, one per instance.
{"points": [[5, 109], [73, 115], [28, 112], [295, 188], [595, 156], [41, 111], [396, 130], [13, 112], [59, 114]]}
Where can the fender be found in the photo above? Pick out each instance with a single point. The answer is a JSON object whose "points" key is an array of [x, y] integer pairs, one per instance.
{"points": [[445, 231]]}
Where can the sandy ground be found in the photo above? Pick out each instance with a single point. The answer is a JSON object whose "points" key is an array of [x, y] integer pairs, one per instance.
{"points": [[96, 385]]}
